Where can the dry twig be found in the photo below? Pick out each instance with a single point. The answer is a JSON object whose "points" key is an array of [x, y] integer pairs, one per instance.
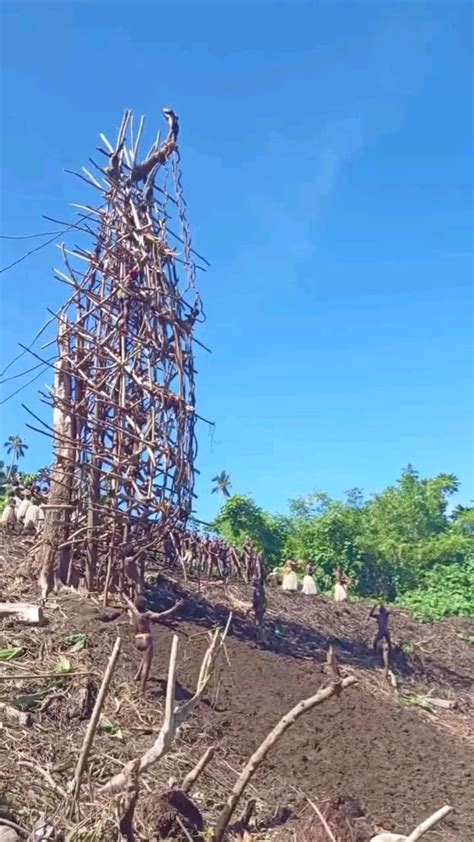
{"points": [[190, 779]]}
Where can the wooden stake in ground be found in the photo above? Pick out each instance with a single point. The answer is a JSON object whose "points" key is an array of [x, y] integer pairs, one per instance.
{"points": [[94, 720], [337, 686], [174, 716], [126, 805]]}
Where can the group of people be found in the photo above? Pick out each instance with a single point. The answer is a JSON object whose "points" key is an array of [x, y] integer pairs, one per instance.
{"points": [[24, 508], [212, 558], [290, 581], [203, 555], [379, 613]]}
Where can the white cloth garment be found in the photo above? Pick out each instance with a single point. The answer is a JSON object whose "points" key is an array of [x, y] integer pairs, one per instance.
{"points": [[290, 581], [32, 517], [8, 516], [23, 508], [340, 592], [309, 586]]}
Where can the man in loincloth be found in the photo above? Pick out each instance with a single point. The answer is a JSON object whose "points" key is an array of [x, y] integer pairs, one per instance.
{"points": [[383, 631]]}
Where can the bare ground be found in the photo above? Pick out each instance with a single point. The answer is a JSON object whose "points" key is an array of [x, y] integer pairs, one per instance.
{"points": [[374, 747]]}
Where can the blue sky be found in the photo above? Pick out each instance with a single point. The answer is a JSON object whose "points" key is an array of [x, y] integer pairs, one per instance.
{"points": [[326, 153]]}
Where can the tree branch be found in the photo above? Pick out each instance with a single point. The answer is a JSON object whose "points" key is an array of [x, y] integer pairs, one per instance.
{"points": [[428, 823], [193, 775], [259, 755]]}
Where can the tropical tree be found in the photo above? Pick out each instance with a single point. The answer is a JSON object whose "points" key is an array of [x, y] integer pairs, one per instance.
{"points": [[240, 518], [395, 544], [15, 447], [222, 484]]}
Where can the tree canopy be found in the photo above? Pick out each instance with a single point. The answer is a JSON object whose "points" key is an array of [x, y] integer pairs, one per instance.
{"points": [[401, 544]]}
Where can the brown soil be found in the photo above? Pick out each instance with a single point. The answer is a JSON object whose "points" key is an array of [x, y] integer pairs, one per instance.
{"points": [[371, 747]]}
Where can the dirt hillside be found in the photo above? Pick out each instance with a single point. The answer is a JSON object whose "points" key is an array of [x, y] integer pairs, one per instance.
{"points": [[374, 746]]}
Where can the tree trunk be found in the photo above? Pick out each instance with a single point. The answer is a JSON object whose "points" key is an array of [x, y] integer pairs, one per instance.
{"points": [[54, 562]]}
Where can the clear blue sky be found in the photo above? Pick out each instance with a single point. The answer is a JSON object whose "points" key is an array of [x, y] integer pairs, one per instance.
{"points": [[326, 152]]}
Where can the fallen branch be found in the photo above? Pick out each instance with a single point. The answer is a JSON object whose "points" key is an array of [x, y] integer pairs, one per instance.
{"points": [[337, 686], [54, 674], [446, 704], [44, 774], [94, 720], [13, 826], [174, 716], [419, 830], [193, 775], [186, 832], [428, 823]]}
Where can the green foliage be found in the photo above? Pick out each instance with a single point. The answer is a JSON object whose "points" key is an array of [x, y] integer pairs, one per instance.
{"points": [[76, 641], [63, 666], [11, 652], [424, 704], [240, 518], [447, 589], [3, 477], [398, 545], [28, 478], [31, 701], [463, 520], [325, 532], [109, 728]]}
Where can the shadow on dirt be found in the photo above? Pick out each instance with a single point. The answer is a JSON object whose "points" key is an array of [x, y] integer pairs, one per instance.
{"points": [[283, 637]]}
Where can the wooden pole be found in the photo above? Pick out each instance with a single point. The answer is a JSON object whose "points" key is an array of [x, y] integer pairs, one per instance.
{"points": [[94, 720]]}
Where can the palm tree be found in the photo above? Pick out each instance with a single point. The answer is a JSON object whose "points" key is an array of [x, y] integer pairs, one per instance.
{"points": [[15, 447], [222, 484]]}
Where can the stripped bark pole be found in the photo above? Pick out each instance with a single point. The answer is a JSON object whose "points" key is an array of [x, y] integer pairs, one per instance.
{"points": [[94, 720], [419, 830]]}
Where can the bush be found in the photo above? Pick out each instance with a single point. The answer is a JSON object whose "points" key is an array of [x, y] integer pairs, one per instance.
{"points": [[447, 590]]}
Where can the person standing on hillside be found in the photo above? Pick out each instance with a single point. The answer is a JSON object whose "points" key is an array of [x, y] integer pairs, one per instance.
{"points": [[290, 579], [259, 603], [309, 585], [383, 632], [340, 586]]}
